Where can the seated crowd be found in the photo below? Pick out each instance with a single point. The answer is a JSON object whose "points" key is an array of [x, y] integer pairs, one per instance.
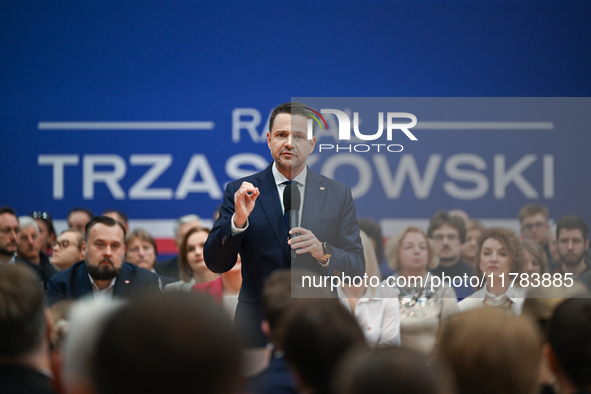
{"points": [[457, 307]]}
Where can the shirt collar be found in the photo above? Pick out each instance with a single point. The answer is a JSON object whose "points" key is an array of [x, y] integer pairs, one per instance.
{"points": [[513, 293], [95, 287], [280, 178]]}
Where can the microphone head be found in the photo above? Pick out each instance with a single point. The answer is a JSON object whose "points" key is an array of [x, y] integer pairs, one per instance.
{"points": [[291, 198]]}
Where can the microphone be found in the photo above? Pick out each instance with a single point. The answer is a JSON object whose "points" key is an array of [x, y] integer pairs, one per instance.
{"points": [[291, 206]]}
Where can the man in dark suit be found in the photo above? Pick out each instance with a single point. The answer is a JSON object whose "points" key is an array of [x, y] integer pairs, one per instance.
{"points": [[102, 272], [24, 339], [252, 221]]}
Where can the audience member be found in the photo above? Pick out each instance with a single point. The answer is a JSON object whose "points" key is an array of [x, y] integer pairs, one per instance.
{"points": [[491, 352], [78, 218], [192, 266], [141, 250], [103, 272], [533, 218], [172, 343], [29, 248], [424, 305], [572, 234], [86, 323], [25, 365], [46, 231], [67, 250], [316, 334], [119, 216], [389, 370], [374, 232], [225, 288], [448, 234], [535, 259], [540, 305], [170, 268], [59, 313], [569, 350], [500, 255], [9, 239], [474, 230], [377, 314]]}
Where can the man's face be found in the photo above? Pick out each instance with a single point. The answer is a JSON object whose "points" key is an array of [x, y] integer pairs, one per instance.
{"points": [[535, 227], [66, 251], [29, 245], [9, 234], [446, 241], [289, 144], [141, 253], [104, 251], [571, 246], [78, 221]]}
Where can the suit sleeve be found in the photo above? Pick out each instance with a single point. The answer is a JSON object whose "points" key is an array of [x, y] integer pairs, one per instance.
{"points": [[221, 248], [55, 292], [347, 257]]}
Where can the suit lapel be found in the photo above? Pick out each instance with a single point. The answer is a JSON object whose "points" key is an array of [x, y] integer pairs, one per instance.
{"points": [[313, 200], [124, 281], [271, 207], [81, 285]]}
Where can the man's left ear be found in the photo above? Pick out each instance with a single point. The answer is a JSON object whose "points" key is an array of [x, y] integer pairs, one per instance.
{"points": [[313, 144]]}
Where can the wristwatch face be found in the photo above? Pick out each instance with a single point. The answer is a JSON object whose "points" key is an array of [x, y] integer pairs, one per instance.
{"points": [[327, 248]]}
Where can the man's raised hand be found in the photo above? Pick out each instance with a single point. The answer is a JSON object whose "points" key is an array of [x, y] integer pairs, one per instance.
{"points": [[244, 200]]}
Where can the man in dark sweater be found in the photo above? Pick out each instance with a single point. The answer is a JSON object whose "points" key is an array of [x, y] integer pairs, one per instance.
{"points": [[448, 234]]}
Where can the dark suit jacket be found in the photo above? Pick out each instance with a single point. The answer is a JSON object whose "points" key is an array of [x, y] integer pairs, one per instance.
{"points": [[169, 268], [16, 379], [275, 379], [74, 283], [329, 212]]}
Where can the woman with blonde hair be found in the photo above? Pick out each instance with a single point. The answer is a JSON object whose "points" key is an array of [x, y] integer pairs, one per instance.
{"points": [[424, 303], [500, 259]]}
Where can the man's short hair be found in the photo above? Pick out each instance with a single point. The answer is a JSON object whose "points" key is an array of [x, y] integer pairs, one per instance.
{"points": [[7, 209], [27, 221], [22, 316], [81, 209], [182, 220], [442, 217], [79, 236], [317, 334], [144, 236], [292, 108], [569, 334], [490, 351], [107, 221], [572, 222], [168, 343], [121, 215], [532, 209]]}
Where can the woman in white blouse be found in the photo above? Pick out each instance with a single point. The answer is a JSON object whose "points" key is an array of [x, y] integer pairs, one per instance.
{"points": [[500, 254], [423, 306], [378, 317]]}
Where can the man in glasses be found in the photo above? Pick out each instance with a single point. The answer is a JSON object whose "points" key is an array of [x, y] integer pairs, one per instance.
{"points": [[448, 234], [533, 218], [67, 250]]}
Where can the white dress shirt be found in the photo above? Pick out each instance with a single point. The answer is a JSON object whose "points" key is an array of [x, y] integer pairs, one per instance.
{"points": [[105, 294]]}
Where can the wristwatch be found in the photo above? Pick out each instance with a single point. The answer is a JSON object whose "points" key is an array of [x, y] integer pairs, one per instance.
{"points": [[327, 248]]}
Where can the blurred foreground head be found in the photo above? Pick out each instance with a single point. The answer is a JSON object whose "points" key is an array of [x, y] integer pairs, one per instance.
{"points": [[389, 370], [168, 343], [492, 352]]}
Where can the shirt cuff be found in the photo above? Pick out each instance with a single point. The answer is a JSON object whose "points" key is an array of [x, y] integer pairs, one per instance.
{"points": [[325, 265], [236, 230]]}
